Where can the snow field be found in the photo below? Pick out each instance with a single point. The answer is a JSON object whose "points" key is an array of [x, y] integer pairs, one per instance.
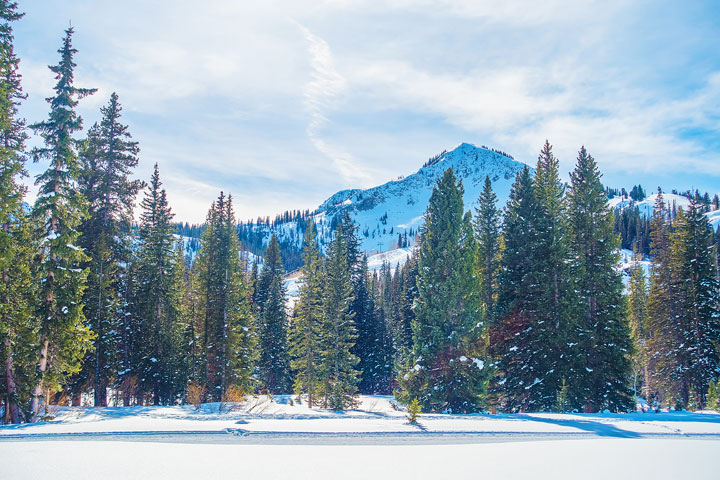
{"points": [[563, 459]]}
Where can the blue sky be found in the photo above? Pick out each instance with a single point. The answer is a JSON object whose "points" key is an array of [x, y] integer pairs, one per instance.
{"points": [[282, 103]]}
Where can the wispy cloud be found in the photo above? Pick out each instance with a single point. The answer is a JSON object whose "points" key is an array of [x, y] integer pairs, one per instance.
{"points": [[284, 102], [322, 95]]}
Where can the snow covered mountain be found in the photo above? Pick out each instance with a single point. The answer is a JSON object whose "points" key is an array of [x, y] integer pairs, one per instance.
{"points": [[390, 215], [672, 201]]}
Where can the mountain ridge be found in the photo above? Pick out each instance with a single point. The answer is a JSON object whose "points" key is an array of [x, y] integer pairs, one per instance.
{"points": [[389, 215]]}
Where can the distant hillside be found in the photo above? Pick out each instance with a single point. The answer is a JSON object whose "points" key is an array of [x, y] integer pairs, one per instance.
{"points": [[390, 215]]}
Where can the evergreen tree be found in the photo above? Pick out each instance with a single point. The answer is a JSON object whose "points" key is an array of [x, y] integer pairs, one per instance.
{"points": [[229, 329], [338, 376], [487, 232], [402, 332], [17, 323], [603, 334], [157, 300], [373, 345], [306, 328], [667, 359], [448, 365], [107, 160], [525, 343], [60, 207], [698, 322], [638, 323], [274, 360]]}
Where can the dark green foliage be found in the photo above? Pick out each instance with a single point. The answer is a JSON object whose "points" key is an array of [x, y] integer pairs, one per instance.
{"points": [[274, 361], [683, 308], [337, 373], [156, 358], [17, 323], [108, 158], [487, 232], [307, 322], [667, 363], [637, 318], [637, 193], [229, 333], [526, 342], [448, 360], [699, 299], [603, 335], [60, 208], [373, 319], [634, 229]]}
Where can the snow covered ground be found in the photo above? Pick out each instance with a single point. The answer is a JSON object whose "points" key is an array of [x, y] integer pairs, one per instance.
{"points": [[393, 258], [279, 438], [563, 459]]}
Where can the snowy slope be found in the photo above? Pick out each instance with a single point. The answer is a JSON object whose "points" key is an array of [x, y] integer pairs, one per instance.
{"points": [[397, 207], [647, 205], [393, 258]]}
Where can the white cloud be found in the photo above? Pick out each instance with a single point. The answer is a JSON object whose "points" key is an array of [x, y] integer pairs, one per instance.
{"points": [[318, 96], [321, 96]]}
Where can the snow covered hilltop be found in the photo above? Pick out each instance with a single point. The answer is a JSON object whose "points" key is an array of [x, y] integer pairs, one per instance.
{"points": [[389, 216]]}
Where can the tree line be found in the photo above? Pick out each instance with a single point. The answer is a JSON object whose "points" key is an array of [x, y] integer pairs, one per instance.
{"points": [[519, 309]]}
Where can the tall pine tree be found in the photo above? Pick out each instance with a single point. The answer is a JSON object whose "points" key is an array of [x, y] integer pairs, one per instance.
{"points": [[338, 375], [667, 358], [603, 334], [524, 342], [448, 371], [17, 322], [60, 207], [108, 159], [274, 359], [487, 232], [229, 334], [157, 296], [306, 329], [639, 332]]}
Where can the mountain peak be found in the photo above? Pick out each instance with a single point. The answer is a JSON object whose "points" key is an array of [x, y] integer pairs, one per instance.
{"points": [[391, 214]]}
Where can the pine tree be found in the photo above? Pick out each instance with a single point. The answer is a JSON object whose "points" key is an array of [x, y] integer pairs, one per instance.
{"points": [[667, 360], [556, 310], [402, 332], [637, 320], [274, 360], [699, 319], [373, 345], [448, 355], [229, 339], [107, 160], [337, 373], [60, 207], [666, 366], [306, 328], [17, 323], [487, 232], [157, 300], [604, 337], [525, 343]]}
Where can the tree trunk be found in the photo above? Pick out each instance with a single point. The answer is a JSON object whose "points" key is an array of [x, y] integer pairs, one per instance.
{"points": [[12, 410], [37, 390], [100, 397]]}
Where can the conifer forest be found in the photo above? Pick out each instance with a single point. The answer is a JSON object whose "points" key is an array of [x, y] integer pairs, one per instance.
{"points": [[511, 307], [227, 248]]}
